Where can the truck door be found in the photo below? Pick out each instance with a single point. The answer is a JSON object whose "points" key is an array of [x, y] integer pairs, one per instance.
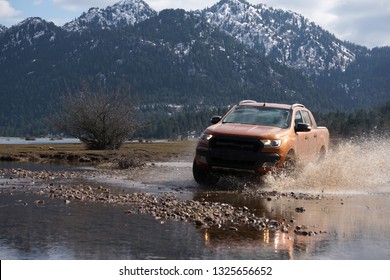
{"points": [[302, 147], [311, 135]]}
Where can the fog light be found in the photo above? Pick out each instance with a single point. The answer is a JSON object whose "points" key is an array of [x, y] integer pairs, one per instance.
{"points": [[203, 158]]}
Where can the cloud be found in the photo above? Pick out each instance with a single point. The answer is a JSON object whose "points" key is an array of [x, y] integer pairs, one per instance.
{"points": [[7, 11], [180, 4], [373, 32], [82, 5], [364, 22]]}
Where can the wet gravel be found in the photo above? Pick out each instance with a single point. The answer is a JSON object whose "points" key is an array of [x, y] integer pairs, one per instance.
{"points": [[164, 207]]}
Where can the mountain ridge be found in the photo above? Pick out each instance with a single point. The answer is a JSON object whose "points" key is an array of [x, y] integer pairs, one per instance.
{"points": [[124, 12], [287, 37], [185, 59]]}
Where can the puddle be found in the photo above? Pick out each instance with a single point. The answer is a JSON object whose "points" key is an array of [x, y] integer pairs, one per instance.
{"points": [[348, 211]]}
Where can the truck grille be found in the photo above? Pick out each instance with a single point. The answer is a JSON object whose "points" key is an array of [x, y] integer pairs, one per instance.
{"points": [[235, 144], [234, 152]]}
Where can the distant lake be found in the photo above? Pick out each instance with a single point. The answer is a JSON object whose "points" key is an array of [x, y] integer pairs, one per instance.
{"points": [[39, 141]]}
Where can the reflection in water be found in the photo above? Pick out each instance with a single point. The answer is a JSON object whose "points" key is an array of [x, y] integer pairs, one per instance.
{"points": [[347, 227], [32, 166], [88, 231], [356, 229], [55, 230]]}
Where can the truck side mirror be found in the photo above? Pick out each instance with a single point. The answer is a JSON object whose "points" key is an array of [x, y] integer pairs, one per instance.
{"points": [[215, 119], [302, 127]]}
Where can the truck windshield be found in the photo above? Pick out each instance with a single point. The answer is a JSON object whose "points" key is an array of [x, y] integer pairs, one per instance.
{"points": [[263, 116]]}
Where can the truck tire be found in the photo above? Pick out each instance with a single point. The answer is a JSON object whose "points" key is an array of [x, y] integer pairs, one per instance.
{"points": [[321, 154], [202, 176]]}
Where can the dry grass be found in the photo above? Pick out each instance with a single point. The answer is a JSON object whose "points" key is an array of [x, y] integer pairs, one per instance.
{"points": [[151, 151]]}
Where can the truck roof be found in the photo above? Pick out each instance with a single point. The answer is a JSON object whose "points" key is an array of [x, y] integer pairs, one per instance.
{"points": [[270, 105]]}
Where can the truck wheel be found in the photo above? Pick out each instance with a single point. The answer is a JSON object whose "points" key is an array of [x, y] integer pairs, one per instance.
{"points": [[202, 176], [290, 163]]}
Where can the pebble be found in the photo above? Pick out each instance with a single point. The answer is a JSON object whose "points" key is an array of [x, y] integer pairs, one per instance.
{"points": [[202, 213], [300, 209]]}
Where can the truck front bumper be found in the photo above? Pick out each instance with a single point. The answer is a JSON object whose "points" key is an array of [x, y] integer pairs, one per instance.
{"points": [[259, 162]]}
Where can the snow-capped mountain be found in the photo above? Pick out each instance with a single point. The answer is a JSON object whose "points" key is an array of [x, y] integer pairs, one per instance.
{"points": [[29, 31], [214, 57], [125, 12], [285, 36]]}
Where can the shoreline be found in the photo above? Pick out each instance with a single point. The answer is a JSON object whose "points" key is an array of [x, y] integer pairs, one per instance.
{"points": [[131, 153]]}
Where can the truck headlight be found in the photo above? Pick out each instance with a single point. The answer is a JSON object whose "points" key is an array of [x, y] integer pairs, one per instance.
{"points": [[271, 143], [205, 137]]}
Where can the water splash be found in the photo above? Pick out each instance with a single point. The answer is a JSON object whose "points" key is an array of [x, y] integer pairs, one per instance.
{"points": [[356, 166]]}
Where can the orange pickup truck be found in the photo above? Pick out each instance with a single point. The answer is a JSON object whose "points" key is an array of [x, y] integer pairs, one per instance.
{"points": [[258, 137]]}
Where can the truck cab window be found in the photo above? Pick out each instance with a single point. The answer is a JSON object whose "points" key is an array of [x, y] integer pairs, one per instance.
{"points": [[298, 118], [306, 117]]}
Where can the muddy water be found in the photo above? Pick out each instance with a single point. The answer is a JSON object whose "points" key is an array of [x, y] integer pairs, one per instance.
{"points": [[349, 211], [360, 166]]}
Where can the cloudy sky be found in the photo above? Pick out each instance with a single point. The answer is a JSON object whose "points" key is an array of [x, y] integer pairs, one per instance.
{"points": [[364, 22]]}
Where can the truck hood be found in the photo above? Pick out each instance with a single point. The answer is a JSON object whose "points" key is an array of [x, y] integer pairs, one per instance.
{"points": [[234, 129]]}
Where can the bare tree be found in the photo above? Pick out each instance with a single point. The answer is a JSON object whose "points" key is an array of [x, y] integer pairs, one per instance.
{"points": [[99, 118]]}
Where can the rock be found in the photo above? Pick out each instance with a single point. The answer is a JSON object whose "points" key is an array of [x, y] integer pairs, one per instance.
{"points": [[201, 212], [284, 229], [273, 224], [39, 202], [301, 232]]}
